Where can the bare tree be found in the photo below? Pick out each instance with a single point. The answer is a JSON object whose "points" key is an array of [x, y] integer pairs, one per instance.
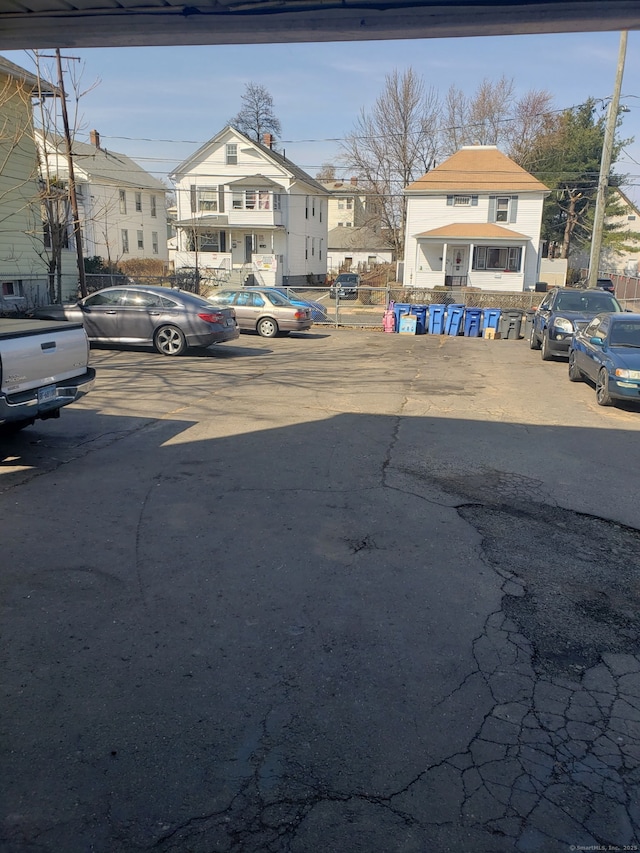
{"points": [[479, 120], [394, 144], [327, 172], [533, 118], [256, 116]]}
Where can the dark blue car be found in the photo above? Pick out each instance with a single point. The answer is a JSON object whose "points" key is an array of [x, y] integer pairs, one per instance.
{"points": [[563, 311], [607, 351]]}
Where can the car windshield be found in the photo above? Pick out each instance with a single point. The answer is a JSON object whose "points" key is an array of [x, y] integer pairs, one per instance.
{"points": [[626, 334], [347, 279], [587, 303]]}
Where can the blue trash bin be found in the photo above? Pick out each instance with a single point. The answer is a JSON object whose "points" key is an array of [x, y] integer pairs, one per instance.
{"points": [[453, 324], [472, 322], [398, 309], [491, 318], [421, 313], [436, 319]]}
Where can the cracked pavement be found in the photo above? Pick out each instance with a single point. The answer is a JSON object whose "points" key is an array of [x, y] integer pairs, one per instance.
{"points": [[347, 592]]}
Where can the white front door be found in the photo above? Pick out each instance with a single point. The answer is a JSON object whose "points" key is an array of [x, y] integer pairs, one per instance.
{"points": [[457, 260]]}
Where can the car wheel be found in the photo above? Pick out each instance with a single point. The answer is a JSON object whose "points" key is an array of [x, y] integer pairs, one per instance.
{"points": [[267, 327], [169, 340], [575, 374], [603, 398], [534, 343], [546, 353]]}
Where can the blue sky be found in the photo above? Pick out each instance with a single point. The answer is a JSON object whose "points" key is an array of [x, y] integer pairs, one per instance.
{"points": [[185, 95]]}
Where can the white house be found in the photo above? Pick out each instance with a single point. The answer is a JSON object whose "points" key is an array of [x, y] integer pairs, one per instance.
{"points": [[243, 207], [626, 222], [474, 221], [24, 257], [357, 249], [122, 208]]}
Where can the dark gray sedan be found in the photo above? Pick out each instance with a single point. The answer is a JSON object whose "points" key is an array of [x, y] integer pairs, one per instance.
{"points": [[167, 319]]}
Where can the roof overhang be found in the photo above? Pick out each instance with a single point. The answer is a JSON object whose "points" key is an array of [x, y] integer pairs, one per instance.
{"points": [[471, 231], [29, 24], [255, 182]]}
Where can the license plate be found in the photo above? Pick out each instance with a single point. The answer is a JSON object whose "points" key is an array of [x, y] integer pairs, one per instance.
{"points": [[46, 394]]}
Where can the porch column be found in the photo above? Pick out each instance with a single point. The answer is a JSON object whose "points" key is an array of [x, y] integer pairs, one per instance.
{"points": [[470, 266], [445, 249]]}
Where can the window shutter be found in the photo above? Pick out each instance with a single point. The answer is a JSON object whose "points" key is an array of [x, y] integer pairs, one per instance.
{"points": [[194, 198], [492, 208], [223, 241], [513, 208], [450, 200], [221, 199], [474, 201]]}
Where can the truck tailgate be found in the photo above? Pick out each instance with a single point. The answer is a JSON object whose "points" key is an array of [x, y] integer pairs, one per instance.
{"points": [[38, 352]]}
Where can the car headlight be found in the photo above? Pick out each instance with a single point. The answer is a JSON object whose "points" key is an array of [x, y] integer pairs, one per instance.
{"points": [[563, 325], [627, 374]]}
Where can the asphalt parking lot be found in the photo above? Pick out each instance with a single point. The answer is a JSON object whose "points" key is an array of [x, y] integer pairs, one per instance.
{"points": [[341, 591]]}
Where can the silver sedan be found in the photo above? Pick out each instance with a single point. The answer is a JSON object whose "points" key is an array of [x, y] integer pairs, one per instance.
{"points": [[170, 320]]}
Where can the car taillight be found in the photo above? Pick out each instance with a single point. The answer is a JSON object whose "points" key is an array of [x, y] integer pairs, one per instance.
{"points": [[212, 318], [300, 315]]}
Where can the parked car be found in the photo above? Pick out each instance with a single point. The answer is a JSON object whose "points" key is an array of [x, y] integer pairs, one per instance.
{"points": [[563, 311], [318, 310], [345, 286], [607, 351], [168, 319], [606, 284], [264, 310]]}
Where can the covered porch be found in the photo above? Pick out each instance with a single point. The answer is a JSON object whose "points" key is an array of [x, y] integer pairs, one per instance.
{"points": [[484, 255]]}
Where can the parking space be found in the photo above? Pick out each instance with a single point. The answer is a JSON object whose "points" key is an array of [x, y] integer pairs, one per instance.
{"points": [[340, 590]]}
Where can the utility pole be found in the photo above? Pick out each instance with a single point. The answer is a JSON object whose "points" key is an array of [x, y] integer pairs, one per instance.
{"points": [[605, 167], [77, 231]]}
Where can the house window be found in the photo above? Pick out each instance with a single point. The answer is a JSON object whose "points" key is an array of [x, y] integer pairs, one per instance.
{"points": [[313, 206], [207, 198], [277, 201], [320, 206], [254, 200], [124, 234], [306, 207], [503, 258], [306, 248], [123, 201], [502, 209], [263, 200], [210, 241], [462, 201], [138, 202], [140, 240], [153, 206], [631, 217], [371, 260], [320, 249], [250, 199], [154, 242], [313, 247], [232, 154], [12, 288]]}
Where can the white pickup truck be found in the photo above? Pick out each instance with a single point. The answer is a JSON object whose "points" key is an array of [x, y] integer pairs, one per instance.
{"points": [[44, 366]]}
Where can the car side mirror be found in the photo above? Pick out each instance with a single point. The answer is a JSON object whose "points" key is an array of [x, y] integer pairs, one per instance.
{"points": [[597, 341]]}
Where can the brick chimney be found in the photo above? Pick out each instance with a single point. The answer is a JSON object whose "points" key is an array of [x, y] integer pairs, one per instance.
{"points": [[94, 136], [354, 182], [268, 140]]}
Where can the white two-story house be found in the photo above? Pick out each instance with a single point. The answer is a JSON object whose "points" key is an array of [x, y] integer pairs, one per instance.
{"points": [[474, 221], [243, 207], [122, 208]]}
